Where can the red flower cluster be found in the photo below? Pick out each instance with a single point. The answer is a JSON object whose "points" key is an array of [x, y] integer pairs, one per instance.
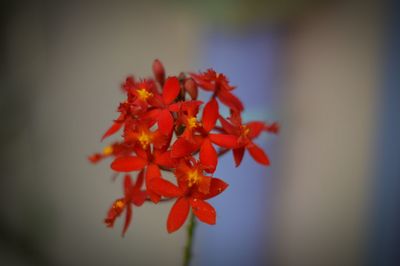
{"points": [[164, 132]]}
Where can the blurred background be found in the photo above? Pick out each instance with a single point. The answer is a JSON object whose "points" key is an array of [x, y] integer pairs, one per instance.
{"points": [[327, 70]]}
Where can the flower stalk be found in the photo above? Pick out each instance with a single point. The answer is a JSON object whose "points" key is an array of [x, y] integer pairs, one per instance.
{"points": [[187, 258]]}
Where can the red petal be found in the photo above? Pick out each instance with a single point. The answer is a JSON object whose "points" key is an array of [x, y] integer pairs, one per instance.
{"points": [[171, 90], [223, 140], [164, 159], [217, 186], [238, 155], [204, 184], [210, 115], [165, 188], [140, 152], [230, 100], [272, 128], [258, 154], [206, 85], [227, 126], [153, 172], [152, 114], [165, 122], [203, 210], [182, 148], [208, 156], [112, 130], [178, 214], [256, 128], [138, 197], [127, 185], [128, 164], [139, 180], [175, 107], [128, 218]]}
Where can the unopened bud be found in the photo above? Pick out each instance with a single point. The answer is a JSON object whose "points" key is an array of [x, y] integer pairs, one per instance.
{"points": [[191, 87], [159, 71]]}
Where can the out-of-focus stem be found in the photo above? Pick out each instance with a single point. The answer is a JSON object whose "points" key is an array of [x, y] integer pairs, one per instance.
{"points": [[189, 242]]}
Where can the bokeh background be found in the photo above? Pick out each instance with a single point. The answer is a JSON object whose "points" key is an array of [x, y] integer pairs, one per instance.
{"points": [[327, 70]]}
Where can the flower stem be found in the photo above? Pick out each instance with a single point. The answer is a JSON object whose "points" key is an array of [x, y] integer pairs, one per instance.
{"points": [[189, 241]]}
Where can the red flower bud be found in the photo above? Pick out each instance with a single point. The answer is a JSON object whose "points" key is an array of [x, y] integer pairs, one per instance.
{"points": [[191, 88], [159, 71]]}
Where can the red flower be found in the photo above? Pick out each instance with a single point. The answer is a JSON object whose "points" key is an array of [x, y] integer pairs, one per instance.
{"points": [[246, 133], [165, 105], [142, 137], [132, 195], [187, 117], [193, 191], [115, 149], [219, 84], [208, 154], [145, 161]]}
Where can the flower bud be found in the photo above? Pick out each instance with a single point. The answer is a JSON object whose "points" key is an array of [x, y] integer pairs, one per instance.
{"points": [[191, 87], [159, 71]]}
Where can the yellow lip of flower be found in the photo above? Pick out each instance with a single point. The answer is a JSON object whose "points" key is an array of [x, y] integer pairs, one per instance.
{"points": [[192, 121], [143, 94], [108, 150], [193, 178], [245, 130], [144, 139], [119, 204]]}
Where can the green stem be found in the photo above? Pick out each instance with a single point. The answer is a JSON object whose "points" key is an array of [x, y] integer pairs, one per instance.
{"points": [[189, 242]]}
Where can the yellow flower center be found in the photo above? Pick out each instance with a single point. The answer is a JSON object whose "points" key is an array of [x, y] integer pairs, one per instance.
{"points": [[144, 139], [192, 121], [108, 150], [143, 94], [119, 204], [193, 177], [245, 131]]}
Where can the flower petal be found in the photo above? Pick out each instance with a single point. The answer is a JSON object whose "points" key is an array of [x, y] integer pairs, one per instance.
{"points": [[182, 148], [272, 128], [208, 156], [210, 115], [165, 188], [127, 185], [258, 154], [165, 122], [204, 184], [228, 127], [164, 159], [138, 197], [175, 107], [238, 155], [128, 218], [203, 210], [206, 85], [178, 214], [256, 127], [152, 114], [128, 164], [223, 140], [230, 100], [152, 172], [171, 90], [112, 130], [139, 180], [217, 186]]}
